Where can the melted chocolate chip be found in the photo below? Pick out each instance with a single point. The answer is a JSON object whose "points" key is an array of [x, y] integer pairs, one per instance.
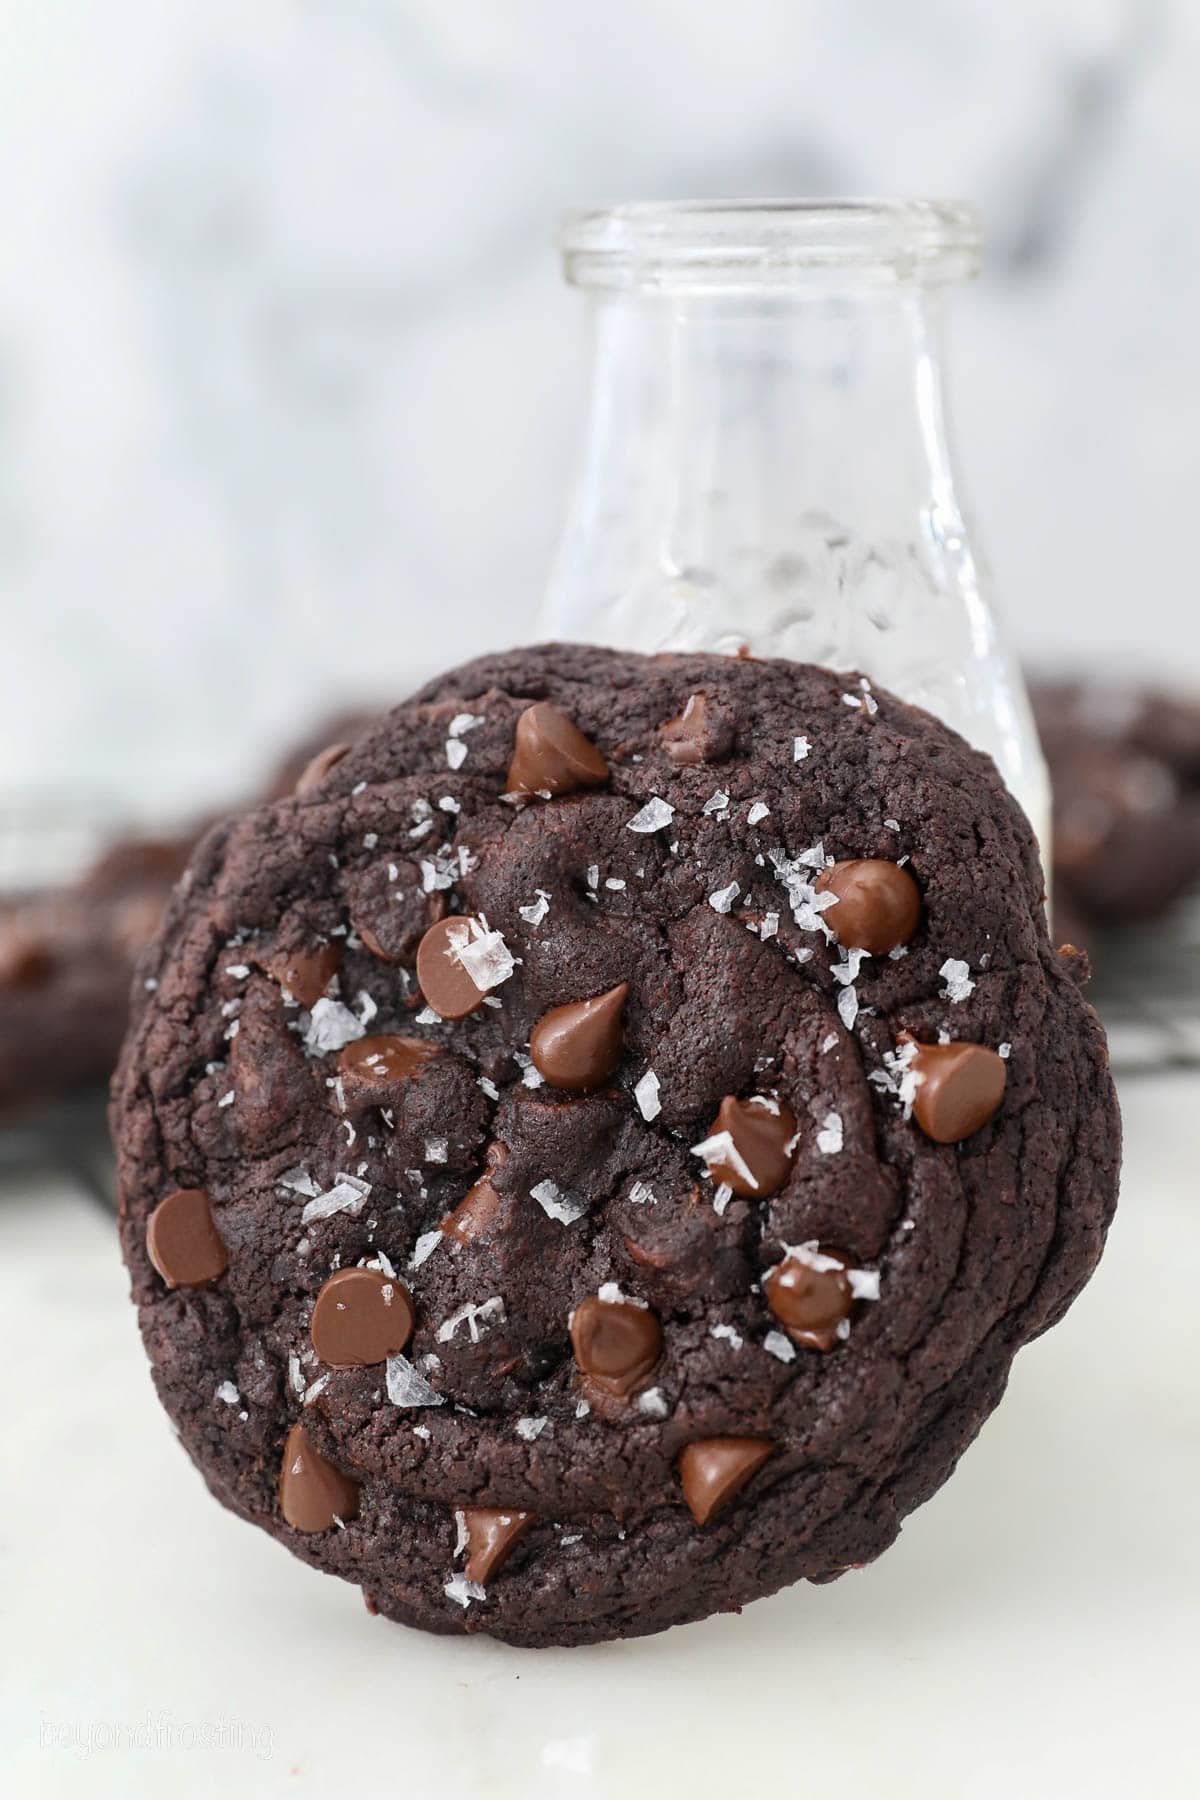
{"points": [[551, 755], [879, 904], [25, 959], [686, 738], [182, 1241], [313, 773], [960, 1087], [313, 1495], [615, 1342], [578, 1046], [474, 1213], [443, 981], [713, 1470], [810, 1295], [492, 1532], [361, 1316], [306, 974], [373, 1068], [761, 1131]]}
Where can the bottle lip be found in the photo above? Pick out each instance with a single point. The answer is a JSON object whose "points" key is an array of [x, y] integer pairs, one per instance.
{"points": [[699, 245]]}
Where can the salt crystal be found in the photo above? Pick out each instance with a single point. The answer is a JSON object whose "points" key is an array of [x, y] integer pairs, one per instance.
{"points": [[830, 1043], [424, 1248], [1005, 1051], [437, 1150], [847, 970], [555, 1204], [777, 1345], [456, 752], [489, 1087], [528, 1429], [615, 883], [463, 722], [769, 927], [720, 1148], [957, 976], [226, 1099], [370, 840], [847, 1005], [477, 1319], [346, 1195], [721, 1198], [800, 749], [759, 811], [535, 912], [482, 952], [653, 816], [864, 1283], [640, 1193], [717, 801], [448, 804], [239, 971], [330, 1027], [646, 1095], [653, 1403], [830, 1138], [724, 897], [729, 1333], [228, 1393], [459, 1589]]}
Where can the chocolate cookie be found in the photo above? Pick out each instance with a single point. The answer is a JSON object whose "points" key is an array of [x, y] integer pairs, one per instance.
{"points": [[1125, 772], [591, 1158]]}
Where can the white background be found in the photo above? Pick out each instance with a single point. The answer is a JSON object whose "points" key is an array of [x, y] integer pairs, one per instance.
{"points": [[289, 385]]}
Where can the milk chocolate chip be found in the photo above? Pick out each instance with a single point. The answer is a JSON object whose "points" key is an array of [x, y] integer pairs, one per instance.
{"points": [[759, 1155], [313, 773], [479, 1205], [578, 1046], [182, 1240], [372, 1068], [615, 1342], [313, 1495], [551, 755], [361, 1316], [492, 1533], [713, 1470], [878, 904], [445, 983], [810, 1294], [306, 974], [960, 1087]]}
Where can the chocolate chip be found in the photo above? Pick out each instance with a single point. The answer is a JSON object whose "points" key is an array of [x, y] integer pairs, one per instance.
{"points": [[479, 1206], [492, 1533], [615, 1342], [761, 1131], [551, 755], [879, 904], [306, 974], [686, 738], [444, 982], [373, 1068], [25, 959], [578, 1046], [313, 773], [361, 1316], [182, 1241], [713, 1470], [313, 1495], [960, 1087], [810, 1295]]}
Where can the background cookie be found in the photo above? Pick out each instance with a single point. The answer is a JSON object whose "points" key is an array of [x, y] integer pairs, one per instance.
{"points": [[673, 1242]]}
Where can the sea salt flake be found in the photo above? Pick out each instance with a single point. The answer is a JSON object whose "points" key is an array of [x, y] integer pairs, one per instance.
{"points": [[555, 1204], [532, 1077], [646, 1095], [314, 1388], [437, 1150], [654, 816], [717, 801], [456, 752], [346, 1195], [477, 1319], [1005, 1051], [370, 840], [847, 970], [721, 1198], [729, 1333], [640, 1193], [615, 883], [777, 1345], [331, 1026], [892, 824], [724, 897], [830, 1138], [720, 1148], [459, 1589], [528, 1429], [424, 1248], [422, 1431], [448, 804], [460, 1526], [226, 1099], [489, 1087], [769, 927], [653, 1403], [535, 912], [847, 1005], [406, 1386], [800, 749], [239, 971], [864, 1283], [463, 722], [759, 811], [482, 952], [957, 976], [228, 1393], [582, 1409], [299, 1181]]}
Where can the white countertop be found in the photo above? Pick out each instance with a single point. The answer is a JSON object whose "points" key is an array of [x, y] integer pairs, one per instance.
{"points": [[1032, 1636]]}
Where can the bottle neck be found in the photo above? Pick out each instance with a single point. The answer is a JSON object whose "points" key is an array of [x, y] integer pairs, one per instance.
{"points": [[735, 440]]}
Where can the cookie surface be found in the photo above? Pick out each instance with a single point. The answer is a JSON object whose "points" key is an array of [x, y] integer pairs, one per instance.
{"points": [[614, 1279]]}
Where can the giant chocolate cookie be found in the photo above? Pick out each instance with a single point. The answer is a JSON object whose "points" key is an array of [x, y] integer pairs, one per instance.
{"points": [[591, 1157]]}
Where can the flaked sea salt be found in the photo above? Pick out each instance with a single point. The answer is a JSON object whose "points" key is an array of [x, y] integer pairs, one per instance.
{"points": [[646, 1095], [722, 1195], [228, 1393], [654, 816], [477, 1319], [557, 1205], [640, 1193], [424, 1248], [800, 749], [777, 1345], [759, 811], [731, 1335], [528, 1429], [717, 801], [535, 912], [847, 1005], [482, 952], [331, 1026], [459, 1589], [346, 1195], [957, 976], [720, 1149], [456, 752], [653, 1402], [830, 1138], [724, 897]]}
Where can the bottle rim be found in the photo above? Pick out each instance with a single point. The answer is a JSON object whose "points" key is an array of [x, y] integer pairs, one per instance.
{"points": [[700, 244]]}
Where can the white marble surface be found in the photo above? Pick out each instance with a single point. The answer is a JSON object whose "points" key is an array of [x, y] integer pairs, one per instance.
{"points": [[1033, 1633], [288, 385]]}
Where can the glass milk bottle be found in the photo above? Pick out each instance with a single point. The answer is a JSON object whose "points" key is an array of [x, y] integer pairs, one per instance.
{"points": [[766, 460]]}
